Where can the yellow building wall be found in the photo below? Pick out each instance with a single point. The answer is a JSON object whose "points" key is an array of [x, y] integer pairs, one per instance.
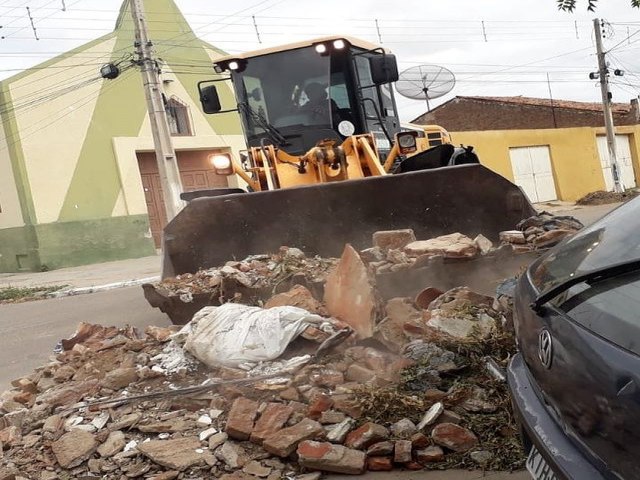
{"points": [[10, 212], [51, 152], [574, 154]]}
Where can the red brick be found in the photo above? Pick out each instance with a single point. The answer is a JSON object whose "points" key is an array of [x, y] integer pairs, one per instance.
{"points": [[379, 464], [10, 436], [322, 403], [453, 437], [366, 435], [391, 239], [349, 295], [290, 393], [413, 466], [271, 420], [420, 440], [284, 442], [402, 451], [380, 449], [430, 454], [347, 404], [328, 457], [327, 378], [241, 417]]}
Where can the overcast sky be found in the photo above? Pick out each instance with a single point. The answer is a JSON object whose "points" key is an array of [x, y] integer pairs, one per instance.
{"points": [[494, 47]]}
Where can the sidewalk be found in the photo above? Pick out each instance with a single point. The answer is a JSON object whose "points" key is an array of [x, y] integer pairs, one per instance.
{"points": [[135, 271], [118, 273]]}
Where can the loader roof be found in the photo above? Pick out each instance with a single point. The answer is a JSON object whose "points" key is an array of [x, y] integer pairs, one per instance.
{"points": [[305, 43]]}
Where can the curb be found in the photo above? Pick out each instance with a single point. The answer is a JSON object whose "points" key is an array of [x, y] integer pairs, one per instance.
{"points": [[68, 292]]}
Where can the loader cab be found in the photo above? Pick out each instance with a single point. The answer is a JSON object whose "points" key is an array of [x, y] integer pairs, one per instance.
{"points": [[329, 88]]}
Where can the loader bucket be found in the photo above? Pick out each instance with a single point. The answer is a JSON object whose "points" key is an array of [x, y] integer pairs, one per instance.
{"points": [[320, 219]]}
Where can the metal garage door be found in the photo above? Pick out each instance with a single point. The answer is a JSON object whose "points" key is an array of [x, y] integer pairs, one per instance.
{"points": [[623, 152], [532, 172]]}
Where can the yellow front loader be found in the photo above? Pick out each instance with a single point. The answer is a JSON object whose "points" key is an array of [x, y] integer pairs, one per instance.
{"points": [[329, 163]]}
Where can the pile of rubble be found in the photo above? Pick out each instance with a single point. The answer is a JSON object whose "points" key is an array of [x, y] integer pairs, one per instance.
{"points": [[256, 272], [541, 231], [361, 385], [325, 376]]}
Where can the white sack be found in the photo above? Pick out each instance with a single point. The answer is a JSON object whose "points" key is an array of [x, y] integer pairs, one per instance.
{"points": [[232, 333]]}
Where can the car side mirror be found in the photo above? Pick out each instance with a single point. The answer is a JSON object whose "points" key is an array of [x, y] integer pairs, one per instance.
{"points": [[384, 68], [209, 99]]}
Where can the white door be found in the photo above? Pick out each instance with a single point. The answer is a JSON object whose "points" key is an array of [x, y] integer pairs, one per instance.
{"points": [[623, 152], [532, 172]]}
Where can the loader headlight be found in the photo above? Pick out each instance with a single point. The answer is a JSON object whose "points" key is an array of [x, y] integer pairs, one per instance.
{"points": [[321, 48], [407, 142], [222, 164], [233, 65], [338, 44]]}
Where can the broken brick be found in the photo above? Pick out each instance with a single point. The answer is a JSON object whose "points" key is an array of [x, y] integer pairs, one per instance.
{"points": [[299, 296], [241, 417], [178, 454], [357, 373], [348, 405], [366, 435], [272, 419], [430, 454], [10, 436], [380, 449], [331, 458], [454, 245], [454, 437], [349, 295], [284, 442], [379, 464], [420, 440], [327, 378], [512, 236], [393, 239], [322, 403], [402, 451], [73, 448]]}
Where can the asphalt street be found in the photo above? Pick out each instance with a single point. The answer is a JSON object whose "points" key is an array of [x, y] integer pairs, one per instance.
{"points": [[31, 330]]}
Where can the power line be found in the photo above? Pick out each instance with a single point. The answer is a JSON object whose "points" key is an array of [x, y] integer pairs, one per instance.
{"points": [[32, 130]]}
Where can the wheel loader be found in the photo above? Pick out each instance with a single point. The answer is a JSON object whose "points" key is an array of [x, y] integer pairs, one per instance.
{"points": [[328, 162]]}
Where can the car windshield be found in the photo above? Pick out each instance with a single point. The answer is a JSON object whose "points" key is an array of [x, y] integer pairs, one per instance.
{"points": [[286, 89], [613, 239]]}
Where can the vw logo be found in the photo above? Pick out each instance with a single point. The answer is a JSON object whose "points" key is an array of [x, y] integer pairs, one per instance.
{"points": [[545, 348]]}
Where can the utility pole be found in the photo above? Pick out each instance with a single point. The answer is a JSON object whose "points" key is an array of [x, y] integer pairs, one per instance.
{"points": [[165, 155], [603, 74]]}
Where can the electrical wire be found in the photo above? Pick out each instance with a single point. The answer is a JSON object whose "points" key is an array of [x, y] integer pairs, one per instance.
{"points": [[32, 130]]}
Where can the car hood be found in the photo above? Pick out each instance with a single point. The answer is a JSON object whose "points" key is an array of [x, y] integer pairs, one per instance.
{"points": [[613, 239]]}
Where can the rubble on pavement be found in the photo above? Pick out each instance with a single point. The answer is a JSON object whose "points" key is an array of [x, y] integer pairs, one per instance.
{"points": [[366, 384], [540, 231]]}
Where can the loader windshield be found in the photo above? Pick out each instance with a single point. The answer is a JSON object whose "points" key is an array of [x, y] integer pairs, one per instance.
{"points": [[287, 89]]}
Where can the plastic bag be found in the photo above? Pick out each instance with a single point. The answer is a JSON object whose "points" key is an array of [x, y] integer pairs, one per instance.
{"points": [[232, 333]]}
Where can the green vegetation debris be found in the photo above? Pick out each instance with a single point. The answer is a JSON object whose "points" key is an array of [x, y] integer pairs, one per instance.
{"points": [[23, 294]]}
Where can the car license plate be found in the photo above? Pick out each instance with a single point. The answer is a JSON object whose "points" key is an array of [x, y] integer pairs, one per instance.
{"points": [[538, 467]]}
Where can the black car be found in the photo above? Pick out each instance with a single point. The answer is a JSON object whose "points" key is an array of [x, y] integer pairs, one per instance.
{"points": [[576, 382]]}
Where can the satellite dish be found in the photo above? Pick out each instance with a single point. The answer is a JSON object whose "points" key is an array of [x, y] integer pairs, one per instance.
{"points": [[425, 82]]}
